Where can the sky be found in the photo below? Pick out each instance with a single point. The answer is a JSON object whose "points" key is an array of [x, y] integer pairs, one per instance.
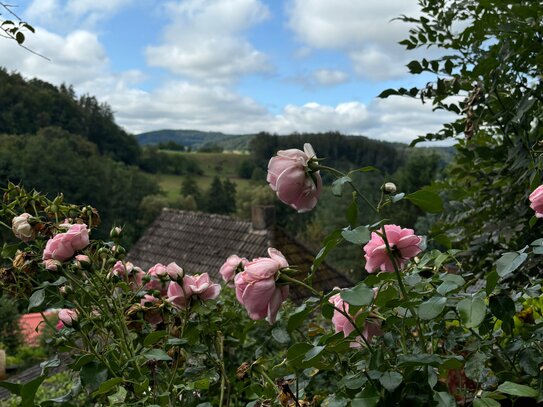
{"points": [[235, 66]]}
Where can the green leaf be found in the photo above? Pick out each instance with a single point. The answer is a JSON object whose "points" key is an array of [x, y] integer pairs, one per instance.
{"points": [[351, 215], [518, 390], [154, 337], [20, 37], [485, 402], [360, 235], [502, 306], [118, 397], [426, 200], [313, 353], [492, 279], [298, 316], [420, 359], [327, 310], [475, 366], [450, 283], [157, 354], [387, 92], [36, 299], [330, 241], [296, 353], [281, 335], [391, 380], [367, 398], [106, 386], [92, 375], [432, 308], [509, 262], [444, 399], [472, 311], [415, 67], [337, 185], [358, 296]]}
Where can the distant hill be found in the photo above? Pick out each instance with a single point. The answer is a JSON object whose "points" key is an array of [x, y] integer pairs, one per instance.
{"points": [[196, 139]]}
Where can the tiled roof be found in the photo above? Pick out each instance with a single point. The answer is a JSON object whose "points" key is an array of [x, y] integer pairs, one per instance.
{"points": [[201, 242]]}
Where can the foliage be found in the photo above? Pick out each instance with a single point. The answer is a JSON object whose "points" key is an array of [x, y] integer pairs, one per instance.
{"points": [[220, 197], [488, 73], [10, 332], [55, 158], [154, 161], [28, 106]]}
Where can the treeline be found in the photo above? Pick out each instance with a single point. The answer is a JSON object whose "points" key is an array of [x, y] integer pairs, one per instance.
{"points": [[27, 106], [339, 151]]}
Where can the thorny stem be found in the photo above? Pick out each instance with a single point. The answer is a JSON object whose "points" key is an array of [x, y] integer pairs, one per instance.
{"points": [[402, 287]]}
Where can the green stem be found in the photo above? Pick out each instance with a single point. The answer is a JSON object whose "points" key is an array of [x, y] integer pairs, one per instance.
{"points": [[402, 288], [340, 174], [321, 296]]}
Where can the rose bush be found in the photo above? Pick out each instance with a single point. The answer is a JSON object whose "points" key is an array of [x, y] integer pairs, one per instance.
{"points": [[401, 336]]}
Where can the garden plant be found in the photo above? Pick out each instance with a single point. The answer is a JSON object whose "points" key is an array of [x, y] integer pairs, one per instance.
{"points": [[452, 318]]}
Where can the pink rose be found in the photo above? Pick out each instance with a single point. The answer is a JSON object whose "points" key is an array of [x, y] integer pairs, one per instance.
{"points": [[343, 324], [179, 294], [536, 199], [21, 228], [232, 263], [68, 316], [82, 261], [198, 285], [294, 183], [64, 245], [121, 269], [59, 325], [157, 275], [78, 236], [256, 288], [201, 286], [174, 271], [403, 243], [51, 265]]}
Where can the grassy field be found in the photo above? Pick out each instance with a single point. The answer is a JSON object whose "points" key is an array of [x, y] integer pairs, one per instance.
{"points": [[171, 184], [224, 165]]}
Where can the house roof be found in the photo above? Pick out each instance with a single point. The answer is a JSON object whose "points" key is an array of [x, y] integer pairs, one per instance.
{"points": [[32, 326], [201, 242]]}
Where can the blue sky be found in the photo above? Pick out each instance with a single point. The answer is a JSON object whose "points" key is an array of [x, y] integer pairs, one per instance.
{"points": [[237, 66]]}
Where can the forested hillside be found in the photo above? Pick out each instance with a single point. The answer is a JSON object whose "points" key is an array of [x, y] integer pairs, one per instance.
{"points": [[27, 106], [54, 142]]}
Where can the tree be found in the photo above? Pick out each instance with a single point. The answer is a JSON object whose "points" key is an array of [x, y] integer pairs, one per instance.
{"points": [[189, 187], [489, 75]]}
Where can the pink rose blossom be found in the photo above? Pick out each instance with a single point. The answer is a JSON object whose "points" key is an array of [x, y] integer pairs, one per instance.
{"points": [[403, 243], [294, 183], [201, 286], [228, 269], [64, 245], [68, 316], [536, 199], [174, 271], [256, 288], [343, 324], [179, 294], [51, 265], [157, 275], [59, 325], [82, 261], [21, 228], [198, 285], [121, 269]]}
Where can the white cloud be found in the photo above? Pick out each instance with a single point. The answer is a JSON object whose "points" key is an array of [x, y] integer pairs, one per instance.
{"points": [[330, 77], [205, 40], [66, 15], [362, 29], [76, 58]]}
